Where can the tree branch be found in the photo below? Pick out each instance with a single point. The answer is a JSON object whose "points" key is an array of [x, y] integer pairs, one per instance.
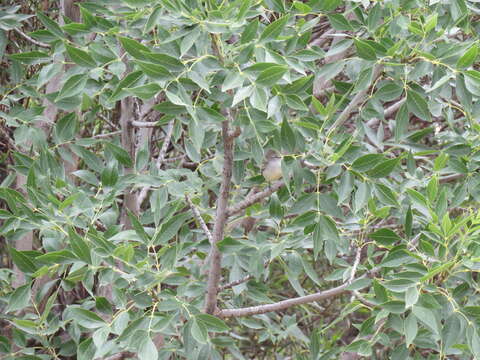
{"points": [[121, 356], [235, 283], [285, 304], [353, 105], [160, 159], [145, 124], [220, 220], [255, 198], [33, 41], [199, 218]]}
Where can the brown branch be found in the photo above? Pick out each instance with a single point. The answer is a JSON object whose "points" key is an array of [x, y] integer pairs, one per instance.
{"points": [[120, 356], [166, 144], [160, 159], [353, 105], [33, 41], [101, 136], [235, 209], [199, 219], [220, 221], [285, 304], [235, 283], [391, 110], [450, 178], [240, 281]]}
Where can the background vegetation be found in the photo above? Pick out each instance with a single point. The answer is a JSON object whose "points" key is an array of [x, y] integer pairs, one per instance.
{"points": [[135, 222]]}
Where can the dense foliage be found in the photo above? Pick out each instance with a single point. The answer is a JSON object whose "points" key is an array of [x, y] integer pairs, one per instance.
{"points": [[135, 222]]}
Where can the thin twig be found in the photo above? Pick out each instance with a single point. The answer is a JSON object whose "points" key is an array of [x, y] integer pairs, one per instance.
{"points": [[450, 178], [355, 265], [236, 282], [121, 356], [199, 218], [166, 144], [322, 39], [254, 198], [161, 156], [33, 41], [145, 124], [101, 136], [239, 281], [392, 109]]}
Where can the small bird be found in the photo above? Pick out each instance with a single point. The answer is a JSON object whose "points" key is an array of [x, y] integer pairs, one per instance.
{"points": [[272, 166]]}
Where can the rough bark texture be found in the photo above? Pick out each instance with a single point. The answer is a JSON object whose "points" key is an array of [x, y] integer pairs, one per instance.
{"points": [[220, 221]]}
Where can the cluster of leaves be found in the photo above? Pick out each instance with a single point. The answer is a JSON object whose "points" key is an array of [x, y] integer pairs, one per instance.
{"points": [[402, 187]]}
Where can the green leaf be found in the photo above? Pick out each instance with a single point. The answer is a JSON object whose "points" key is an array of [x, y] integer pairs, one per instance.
{"points": [[19, 298], [318, 240], [146, 91], [146, 348], [199, 331], [411, 329], [386, 195], [86, 350], [79, 246], [250, 32], [80, 57], [23, 261], [128, 81], [325, 231], [389, 91], [472, 81], [109, 175], [401, 122], [170, 228], [133, 47], [242, 94], [138, 227], [288, 137], [427, 317], [367, 162], [339, 22], [296, 103], [157, 72], [57, 257], [468, 59], [418, 105], [451, 331], [384, 168], [385, 237], [365, 50], [431, 22], [271, 76], [120, 154], [51, 25], [73, 86], [411, 296], [259, 99], [233, 80], [31, 57], [212, 323], [66, 127], [168, 62], [86, 318], [273, 30]]}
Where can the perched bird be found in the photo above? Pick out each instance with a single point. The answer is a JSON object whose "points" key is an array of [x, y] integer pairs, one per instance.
{"points": [[272, 166]]}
